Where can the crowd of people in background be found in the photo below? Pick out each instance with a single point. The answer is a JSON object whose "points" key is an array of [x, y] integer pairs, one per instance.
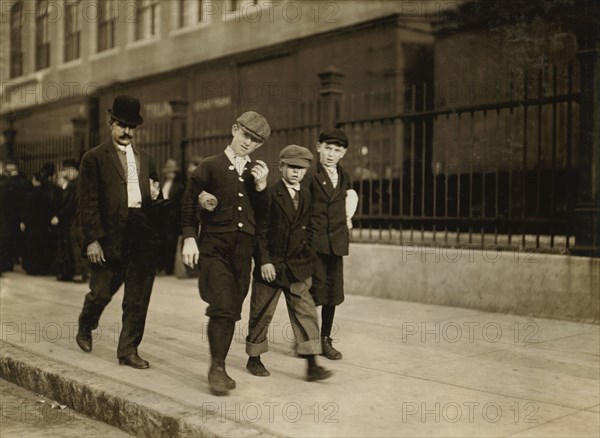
{"points": [[39, 229]]}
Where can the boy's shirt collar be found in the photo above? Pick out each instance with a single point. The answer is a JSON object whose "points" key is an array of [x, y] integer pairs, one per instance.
{"points": [[289, 186], [233, 157]]}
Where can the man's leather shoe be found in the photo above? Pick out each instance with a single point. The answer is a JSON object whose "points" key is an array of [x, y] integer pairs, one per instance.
{"points": [[317, 373], [134, 361], [328, 351], [217, 380], [256, 367], [84, 339]]}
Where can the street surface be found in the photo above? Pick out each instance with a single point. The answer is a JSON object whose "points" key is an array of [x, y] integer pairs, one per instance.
{"points": [[409, 369]]}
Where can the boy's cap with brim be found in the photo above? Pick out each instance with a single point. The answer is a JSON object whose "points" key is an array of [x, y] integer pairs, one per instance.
{"points": [[256, 124], [334, 136], [295, 155]]}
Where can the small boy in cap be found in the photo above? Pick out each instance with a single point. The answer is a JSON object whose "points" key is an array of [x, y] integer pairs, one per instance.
{"points": [[226, 187], [284, 261], [333, 205]]}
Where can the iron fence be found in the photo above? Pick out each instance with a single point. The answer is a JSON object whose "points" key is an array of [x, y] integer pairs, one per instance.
{"points": [[497, 174], [32, 155]]}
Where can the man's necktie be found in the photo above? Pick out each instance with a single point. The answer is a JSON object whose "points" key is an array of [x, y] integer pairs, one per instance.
{"points": [[296, 199], [239, 163], [333, 175], [134, 194]]}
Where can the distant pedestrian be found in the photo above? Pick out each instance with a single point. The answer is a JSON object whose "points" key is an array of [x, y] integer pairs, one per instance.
{"points": [[71, 266], [172, 189], [38, 209]]}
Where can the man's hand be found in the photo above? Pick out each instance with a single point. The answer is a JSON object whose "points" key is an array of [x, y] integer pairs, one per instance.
{"points": [[260, 171], [54, 221], [268, 272], [154, 189], [95, 254], [207, 201], [190, 253]]}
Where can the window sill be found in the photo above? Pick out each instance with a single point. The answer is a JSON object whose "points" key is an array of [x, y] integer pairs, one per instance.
{"points": [[188, 29], [142, 43], [104, 54], [69, 64]]}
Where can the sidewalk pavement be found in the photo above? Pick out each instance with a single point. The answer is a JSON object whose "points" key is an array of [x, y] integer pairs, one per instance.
{"points": [[409, 369]]}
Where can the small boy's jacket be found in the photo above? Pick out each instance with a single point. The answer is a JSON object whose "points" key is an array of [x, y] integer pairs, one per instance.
{"points": [[283, 235], [328, 222]]}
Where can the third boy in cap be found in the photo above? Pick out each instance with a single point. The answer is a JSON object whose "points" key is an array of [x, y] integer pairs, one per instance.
{"points": [[334, 204], [284, 262]]}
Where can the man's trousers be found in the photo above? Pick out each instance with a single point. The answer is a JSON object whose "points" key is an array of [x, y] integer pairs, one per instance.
{"points": [[136, 268]]}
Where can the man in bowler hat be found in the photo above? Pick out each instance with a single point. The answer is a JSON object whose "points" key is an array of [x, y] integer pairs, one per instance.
{"points": [[285, 262], [117, 185], [226, 187]]}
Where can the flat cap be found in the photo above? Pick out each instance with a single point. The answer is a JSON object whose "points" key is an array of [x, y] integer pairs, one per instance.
{"points": [[256, 124], [295, 155], [334, 136]]}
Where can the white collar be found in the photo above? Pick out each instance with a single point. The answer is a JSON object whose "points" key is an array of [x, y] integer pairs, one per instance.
{"points": [[233, 157], [291, 186], [121, 147]]}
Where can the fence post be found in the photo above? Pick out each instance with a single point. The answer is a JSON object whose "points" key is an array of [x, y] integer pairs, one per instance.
{"points": [[330, 95], [178, 131], [10, 136], [79, 137], [587, 208]]}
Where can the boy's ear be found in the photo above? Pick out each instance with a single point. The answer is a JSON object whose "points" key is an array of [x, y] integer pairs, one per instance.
{"points": [[344, 153], [234, 129]]}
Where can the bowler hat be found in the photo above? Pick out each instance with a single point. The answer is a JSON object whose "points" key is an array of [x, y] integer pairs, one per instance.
{"points": [[295, 155], [256, 124], [334, 136], [126, 109]]}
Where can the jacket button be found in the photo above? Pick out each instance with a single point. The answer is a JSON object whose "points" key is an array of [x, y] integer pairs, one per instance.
{"points": [[231, 167], [304, 227], [241, 179], [240, 224], [241, 195], [240, 208]]}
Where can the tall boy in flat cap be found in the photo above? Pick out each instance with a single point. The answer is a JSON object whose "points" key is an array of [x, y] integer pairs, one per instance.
{"points": [[226, 187], [117, 186], [334, 204], [284, 261]]}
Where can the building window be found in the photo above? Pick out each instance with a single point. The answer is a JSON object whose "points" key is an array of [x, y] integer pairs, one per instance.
{"points": [[146, 25], [72, 30], [16, 41], [189, 12], [107, 17], [42, 35]]}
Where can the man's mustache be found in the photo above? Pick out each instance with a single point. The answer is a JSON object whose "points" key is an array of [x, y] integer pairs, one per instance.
{"points": [[126, 137]]}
